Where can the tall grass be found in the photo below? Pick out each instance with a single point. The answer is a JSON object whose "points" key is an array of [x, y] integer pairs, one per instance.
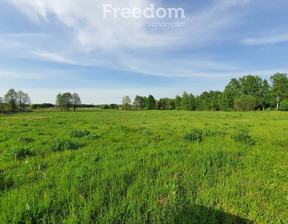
{"points": [[144, 167]]}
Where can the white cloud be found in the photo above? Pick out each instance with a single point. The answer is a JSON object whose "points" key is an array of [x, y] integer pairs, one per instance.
{"points": [[266, 39], [122, 45], [93, 31]]}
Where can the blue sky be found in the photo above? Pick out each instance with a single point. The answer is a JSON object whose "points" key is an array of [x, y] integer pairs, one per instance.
{"points": [[52, 46]]}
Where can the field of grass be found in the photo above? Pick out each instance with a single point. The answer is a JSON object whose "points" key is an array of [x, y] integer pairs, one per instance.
{"points": [[144, 167]]}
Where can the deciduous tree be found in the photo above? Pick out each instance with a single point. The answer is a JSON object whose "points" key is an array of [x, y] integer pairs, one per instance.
{"points": [[150, 103], [76, 101], [140, 102], [11, 99], [126, 101], [23, 99], [279, 88]]}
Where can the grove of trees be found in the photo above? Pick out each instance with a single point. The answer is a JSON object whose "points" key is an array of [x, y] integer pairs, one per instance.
{"points": [[244, 94], [14, 101], [67, 100]]}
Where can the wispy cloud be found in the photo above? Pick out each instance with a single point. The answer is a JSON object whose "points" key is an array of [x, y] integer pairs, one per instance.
{"points": [[266, 39], [54, 57], [96, 36]]}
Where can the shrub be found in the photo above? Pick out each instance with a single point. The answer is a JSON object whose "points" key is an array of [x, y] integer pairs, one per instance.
{"points": [[243, 136], [79, 133], [105, 107], [284, 105], [245, 103], [19, 153], [62, 144], [195, 135]]}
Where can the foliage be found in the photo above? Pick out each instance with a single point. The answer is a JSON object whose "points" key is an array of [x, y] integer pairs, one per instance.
{"points": [[284, 105], [11, 99], [245, 103], [140, 102], [126, 102], [75, 101], [113, 106], [150, 103], [279, 88], [66, 100], [43, 105], [105, 107], [23, 99]]}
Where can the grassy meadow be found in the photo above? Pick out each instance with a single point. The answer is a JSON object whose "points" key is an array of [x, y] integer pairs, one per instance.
{"points": [[144, 167]]}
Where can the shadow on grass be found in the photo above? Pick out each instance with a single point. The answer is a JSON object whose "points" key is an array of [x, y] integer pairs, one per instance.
{"points": [[200, 215]]}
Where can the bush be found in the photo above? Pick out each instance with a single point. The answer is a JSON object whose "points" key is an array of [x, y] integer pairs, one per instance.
{"points": [[195, 135], [62, 144], [79, 133], [243, 136], [19, 153], [105, 107], [284, 105], [113, 106], [245, 103]]}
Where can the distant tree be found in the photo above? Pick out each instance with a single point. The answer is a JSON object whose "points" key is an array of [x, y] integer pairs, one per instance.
{"points": [[43, 105], [113, 106], [140, 102], [34, 106], [105, 107], [265, 99], [185, 101], [204, 101], [59, 101], [171, 104], [245, 103], [76, 101], [166, 104], [2, 105], [11, 99], [23, 100], [209, 101], [67, 100], [252, 86], [163, 104], [280, 88], [150, 103], [232, 91], [215, 100], [126, 103], [178, 103]]}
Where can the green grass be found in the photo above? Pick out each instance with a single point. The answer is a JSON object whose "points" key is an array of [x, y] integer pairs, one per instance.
{"points": [[144, 167]]}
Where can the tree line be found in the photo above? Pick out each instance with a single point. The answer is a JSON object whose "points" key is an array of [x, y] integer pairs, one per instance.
{"points": [[244, 94]]}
